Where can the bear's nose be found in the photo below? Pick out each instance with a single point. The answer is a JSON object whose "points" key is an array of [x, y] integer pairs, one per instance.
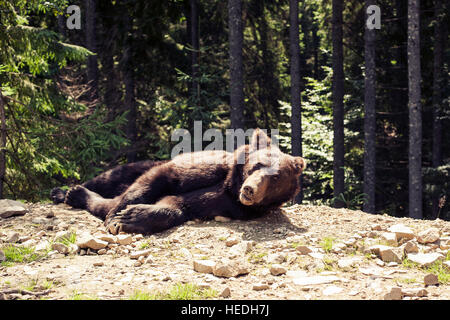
{"points": [[248, 191]]}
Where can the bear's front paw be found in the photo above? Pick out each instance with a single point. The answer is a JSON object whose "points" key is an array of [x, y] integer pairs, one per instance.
{"points": [[129, 220], [77, 197]]}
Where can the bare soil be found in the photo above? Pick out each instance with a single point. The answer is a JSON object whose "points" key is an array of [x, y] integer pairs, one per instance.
{"points": [[333, 235]]}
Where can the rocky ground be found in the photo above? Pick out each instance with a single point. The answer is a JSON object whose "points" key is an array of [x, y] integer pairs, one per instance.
{"points": [[300, 252]]}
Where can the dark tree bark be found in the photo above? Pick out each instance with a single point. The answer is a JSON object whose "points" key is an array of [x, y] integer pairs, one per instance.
{"points": [[296, 117], [439, 43], [2, 144], [128, 76], [236, 63], [194, 25], [369, 118], [91, 44], [415, 111], [338, 101]]}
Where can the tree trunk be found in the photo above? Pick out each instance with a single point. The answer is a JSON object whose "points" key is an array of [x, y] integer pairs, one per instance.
{"points": [[2, 144], [415, 112], [439, 41], [130, 101], [296, 117], [91, 44], [338, 101], [369, 118], [195, 47], [236, 64]]}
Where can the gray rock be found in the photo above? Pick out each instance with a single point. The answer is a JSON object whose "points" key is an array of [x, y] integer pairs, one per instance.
{"points": [[425, 259], [230, 268], [428, 236], [204, 266], [140, 253], [313, 280], [13, 237], [402, 231], [87, 241], [431, 279], [226, 293], [61, 248], [395, 294], [124, 239], [260, 286], [277, 270], [2, 256], [10, 208], [304, 249]]}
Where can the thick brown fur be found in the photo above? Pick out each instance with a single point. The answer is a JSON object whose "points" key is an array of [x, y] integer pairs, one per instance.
{"points": [[149, 197]]}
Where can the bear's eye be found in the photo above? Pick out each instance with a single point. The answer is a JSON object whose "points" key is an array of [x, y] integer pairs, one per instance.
{"points": [[298, 166]]}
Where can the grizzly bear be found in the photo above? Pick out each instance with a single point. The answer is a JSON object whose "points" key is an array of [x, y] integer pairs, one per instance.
{"points": [[148, 197]]}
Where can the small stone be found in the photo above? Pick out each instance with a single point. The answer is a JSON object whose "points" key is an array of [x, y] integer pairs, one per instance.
{"points": [[231, 241], [87, 241], [428, 236], [124, 239], [276, 258], [377, 227], [260, 286], [226, 293], [348, 262], [98, 264], [2, 256], [425, 259], [204, 266], [330, 290], [10, 208], [140, 253], [411, 247], [107, 237], [277, 270], [101, 251], [402, 232], [431, 279], [390, 238], [395, 294], [50, 214], [61, 248], [13, 238], [229, 268], [304, 249], [415, 292], [444, 243], [222, 219]]}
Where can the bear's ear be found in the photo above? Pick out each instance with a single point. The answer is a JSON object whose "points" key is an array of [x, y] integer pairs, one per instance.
{"points": [[260, 140]]}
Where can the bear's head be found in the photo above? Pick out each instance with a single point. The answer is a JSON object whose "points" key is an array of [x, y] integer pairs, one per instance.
{"points": [[270, 177]]}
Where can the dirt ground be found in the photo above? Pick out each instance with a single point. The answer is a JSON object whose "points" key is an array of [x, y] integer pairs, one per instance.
{"points": [[299, 252]]}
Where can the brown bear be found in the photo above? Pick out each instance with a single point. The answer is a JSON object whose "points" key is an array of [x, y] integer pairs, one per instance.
{"points": [[149, 197]]}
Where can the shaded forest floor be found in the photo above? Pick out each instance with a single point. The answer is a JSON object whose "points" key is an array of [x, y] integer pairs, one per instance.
{"points": [[299, 252]]}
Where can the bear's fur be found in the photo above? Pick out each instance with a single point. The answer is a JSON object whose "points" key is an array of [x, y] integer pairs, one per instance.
{"points": [[148, 197]]}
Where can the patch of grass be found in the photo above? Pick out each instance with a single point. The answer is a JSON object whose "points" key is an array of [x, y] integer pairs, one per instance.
{"points": [[81, 296], [436, 268], [179, 291], [144, 245], [296, 244], [18, 254], [329, 263], [257, 257], [327, 244], [71, 239], [406, 280]]}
